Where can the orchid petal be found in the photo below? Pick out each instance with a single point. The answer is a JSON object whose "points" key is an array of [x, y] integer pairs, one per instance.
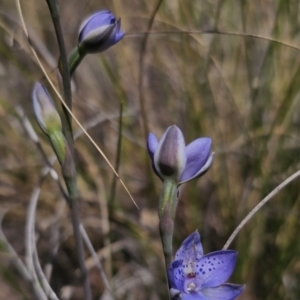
{"points": [[97, 20], [215, 268], [152, 144], [191, 247], [176, 276], [225, 292], [194, 296], [99, 32], [202, 171], [197, 153], [119, 36], [169, 157]]}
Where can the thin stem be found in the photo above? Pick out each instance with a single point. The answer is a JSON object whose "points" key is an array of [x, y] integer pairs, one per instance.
{"points": [[33, 136], [213, 31], [118, 159], [141, 68], [74, 59], [68, 167], [15, 259], [168, 197], [96, 259], [166, 213], [259, 206], [30, 240]]}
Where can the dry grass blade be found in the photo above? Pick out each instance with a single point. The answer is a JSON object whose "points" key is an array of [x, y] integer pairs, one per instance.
{"points": [[18, 263], [217, 32], [30, 241]]}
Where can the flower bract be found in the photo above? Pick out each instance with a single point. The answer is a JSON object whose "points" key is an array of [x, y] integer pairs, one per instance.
{"points": [[202, 277], [172, 159]]}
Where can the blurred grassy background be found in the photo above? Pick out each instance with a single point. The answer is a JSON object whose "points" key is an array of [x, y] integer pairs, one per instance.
{"points": [[241, 91]]}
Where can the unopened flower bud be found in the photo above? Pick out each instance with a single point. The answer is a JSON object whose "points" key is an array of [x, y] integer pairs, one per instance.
{"points": [[49, 120], [45, 110], [99, 32], [171, 159]]}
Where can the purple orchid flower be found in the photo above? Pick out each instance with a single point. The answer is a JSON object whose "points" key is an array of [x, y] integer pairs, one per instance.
{"points": [[195, 276], [172, 159], [99, 32]]}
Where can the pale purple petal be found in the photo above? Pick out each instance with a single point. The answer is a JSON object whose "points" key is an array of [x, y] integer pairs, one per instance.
{"points": [[191, 248], [99, 32], [176, 276], [215, 268], [225, 292], [119, 25], [152, 144], [119, 36], [97, 20], [169, 157], [202, 171], [87, 20], [194, 296], [197, 153]]}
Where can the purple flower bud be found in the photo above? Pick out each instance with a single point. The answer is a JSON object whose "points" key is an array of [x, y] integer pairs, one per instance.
{"points": [[45, 110], [99, 32], [169, 156], [172, 159], [198, 276]]}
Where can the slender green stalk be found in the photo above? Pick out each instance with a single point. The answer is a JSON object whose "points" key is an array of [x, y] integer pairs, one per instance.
{"points": [[112, 196], [74, 59], [58, 143], [68, 167], [142, 71], [166, 213], [168, 198]]}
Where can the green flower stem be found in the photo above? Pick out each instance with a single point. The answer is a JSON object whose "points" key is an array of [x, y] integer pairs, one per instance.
{"points": [[166, 213], [168, 196], [74, 59], [59, 144], [68, 166]]}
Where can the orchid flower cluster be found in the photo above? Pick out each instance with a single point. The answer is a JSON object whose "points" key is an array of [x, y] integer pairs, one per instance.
{"points": [[192, 275]]}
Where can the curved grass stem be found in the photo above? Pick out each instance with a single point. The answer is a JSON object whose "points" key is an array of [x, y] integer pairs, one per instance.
{"points": [[259, 206]]}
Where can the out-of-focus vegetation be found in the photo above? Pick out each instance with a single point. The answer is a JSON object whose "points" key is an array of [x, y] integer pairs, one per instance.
{"points": [[241, 91]]}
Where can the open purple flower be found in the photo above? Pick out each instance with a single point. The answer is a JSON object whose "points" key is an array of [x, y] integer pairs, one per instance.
{"points": [[99, 32], [201, 277], [172, 159]]}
